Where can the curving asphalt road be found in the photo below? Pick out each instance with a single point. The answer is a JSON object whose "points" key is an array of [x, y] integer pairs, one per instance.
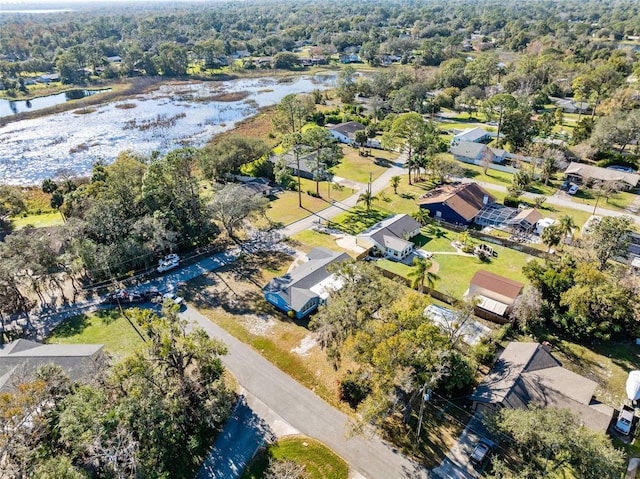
{"points": [[287, 401]]}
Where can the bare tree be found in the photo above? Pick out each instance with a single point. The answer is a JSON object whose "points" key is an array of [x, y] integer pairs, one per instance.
{"points": [[286, 469]]}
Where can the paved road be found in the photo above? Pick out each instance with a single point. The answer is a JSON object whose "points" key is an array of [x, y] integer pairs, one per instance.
{"points": [[299, 408], [338, 207]]}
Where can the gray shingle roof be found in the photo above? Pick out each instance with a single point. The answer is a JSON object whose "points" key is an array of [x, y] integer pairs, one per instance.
{"points": [[396, 226], [20, 359], [468, 149], [295, 286], [348, 128], [587, 172], [526, 373]]}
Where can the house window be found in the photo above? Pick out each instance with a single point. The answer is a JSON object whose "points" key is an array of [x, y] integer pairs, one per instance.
{"points": [[438, 214]]}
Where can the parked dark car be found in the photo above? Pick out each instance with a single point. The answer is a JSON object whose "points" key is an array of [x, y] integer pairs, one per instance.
{"points": [[565, 185]]}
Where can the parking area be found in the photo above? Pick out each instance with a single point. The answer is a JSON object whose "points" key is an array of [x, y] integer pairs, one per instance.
{"points": [[456, 465]]}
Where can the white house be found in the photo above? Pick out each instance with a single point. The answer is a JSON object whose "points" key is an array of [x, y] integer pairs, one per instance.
{"points": [[345, 132], [391, 236], [475, 135]]}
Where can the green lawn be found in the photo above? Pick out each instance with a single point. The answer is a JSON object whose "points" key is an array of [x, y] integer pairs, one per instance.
{"points": [[106, 327], [618, 201], [309, 239], [37, 221], [358, 168], [358, 219], [285, 210], [406, 198], [456, 271], [400, 269], [435, 238], [318, 460]]}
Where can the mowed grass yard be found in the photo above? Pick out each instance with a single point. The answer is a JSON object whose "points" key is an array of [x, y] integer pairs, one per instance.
{"points": [[318, 460], [307, 240], [455, 271], [355, 167], [284, 208], [37, 221], [106, 327]]}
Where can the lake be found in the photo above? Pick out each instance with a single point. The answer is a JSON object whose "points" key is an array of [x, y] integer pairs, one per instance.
{"points": [[11, 107], [175, 115]]}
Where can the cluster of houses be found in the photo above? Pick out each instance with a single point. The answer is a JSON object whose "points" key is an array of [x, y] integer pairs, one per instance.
{"points": [[305, 288], [525, 375]]}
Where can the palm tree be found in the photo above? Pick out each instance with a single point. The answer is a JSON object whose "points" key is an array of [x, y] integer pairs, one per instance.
{"points": [[565, 226], [551, 236], [420, 274], [395, 181], [421, 216], [367, 198]]}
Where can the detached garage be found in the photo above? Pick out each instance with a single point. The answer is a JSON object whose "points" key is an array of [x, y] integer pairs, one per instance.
{"points": [[493, 292]]}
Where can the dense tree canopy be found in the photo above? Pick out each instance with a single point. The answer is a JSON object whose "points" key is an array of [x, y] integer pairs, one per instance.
{"points": [[152, 415]]}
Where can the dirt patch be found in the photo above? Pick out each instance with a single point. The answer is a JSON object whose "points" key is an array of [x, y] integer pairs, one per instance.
{"points": [[260, 325], [305, 345]]}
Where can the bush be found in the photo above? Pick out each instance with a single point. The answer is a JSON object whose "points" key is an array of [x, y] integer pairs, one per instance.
{"points": [[313, 193], [484, 352], [511, 201], [354, 388]]}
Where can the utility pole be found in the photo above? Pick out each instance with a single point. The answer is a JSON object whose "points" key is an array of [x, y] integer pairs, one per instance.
{"points": [[425, 395]]}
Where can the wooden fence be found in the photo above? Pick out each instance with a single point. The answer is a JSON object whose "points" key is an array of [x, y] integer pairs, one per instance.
{"points": [[445, 298]]}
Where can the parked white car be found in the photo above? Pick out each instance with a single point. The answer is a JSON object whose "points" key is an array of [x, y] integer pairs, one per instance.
{"points": [[573, 189], [168, 262], [172, 297], [166, 266]]}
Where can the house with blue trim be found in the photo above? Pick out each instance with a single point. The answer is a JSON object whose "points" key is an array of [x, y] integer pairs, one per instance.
{"points": [[306, 287], [457, 204]]}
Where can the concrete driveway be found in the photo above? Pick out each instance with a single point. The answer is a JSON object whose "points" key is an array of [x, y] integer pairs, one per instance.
{"points": [[456, 465]]}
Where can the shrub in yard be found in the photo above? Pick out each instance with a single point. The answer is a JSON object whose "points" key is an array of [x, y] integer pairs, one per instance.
{"points": [[484, 352], [511, 201], [354, 388]]}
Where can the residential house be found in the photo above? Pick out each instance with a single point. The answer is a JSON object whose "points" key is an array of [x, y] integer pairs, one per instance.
{"points": [[256, 186], [391, 236], [525, 221], [346, 132], [307, 165], [584, 174], [493, 293], [312, 61], [349, 58], [457, 204], [569, 105], [306, 287], [473, 153], [21, 358], [48, 78], [474, 135], [527, 375]]}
